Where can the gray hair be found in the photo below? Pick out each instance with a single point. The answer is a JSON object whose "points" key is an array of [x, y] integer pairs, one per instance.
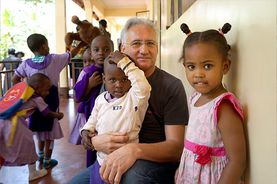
{"points": [[135, 21]]}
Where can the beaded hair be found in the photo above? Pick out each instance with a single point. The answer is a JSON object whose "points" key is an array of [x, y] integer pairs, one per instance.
{"points": [[213, 36]]}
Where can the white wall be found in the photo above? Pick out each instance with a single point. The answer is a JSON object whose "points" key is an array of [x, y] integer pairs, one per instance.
{"points": [[253, 74]]}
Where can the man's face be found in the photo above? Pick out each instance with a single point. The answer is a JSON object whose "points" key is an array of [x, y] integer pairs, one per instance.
{"points": [[141, 46]]}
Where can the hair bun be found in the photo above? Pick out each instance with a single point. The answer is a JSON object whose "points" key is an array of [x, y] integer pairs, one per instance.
{"points": [[226, 28], [185, 28]]}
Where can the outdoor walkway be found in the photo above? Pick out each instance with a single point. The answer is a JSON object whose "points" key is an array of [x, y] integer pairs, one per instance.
{"points": [[71, 157]]}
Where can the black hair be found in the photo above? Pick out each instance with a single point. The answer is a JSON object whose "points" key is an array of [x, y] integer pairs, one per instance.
{"points": [[103, 22], [19, 52], [11, 51], [209, 36], [35, 41], [106, 39], [37, 80]]}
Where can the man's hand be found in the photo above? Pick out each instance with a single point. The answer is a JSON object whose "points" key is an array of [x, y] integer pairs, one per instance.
{"points": [[86, 139], [115, 57], [118, 162], [107, 143]]}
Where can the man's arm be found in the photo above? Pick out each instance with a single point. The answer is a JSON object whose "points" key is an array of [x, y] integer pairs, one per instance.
{"points": [[119, 161], [169, 150]]}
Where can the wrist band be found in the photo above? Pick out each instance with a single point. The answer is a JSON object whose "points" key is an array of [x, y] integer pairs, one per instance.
{"points": [[127, 65]]}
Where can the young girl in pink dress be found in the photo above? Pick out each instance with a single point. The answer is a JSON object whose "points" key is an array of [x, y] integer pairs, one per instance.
{"points": [[47, 129], [214, 147], [21, 150]]}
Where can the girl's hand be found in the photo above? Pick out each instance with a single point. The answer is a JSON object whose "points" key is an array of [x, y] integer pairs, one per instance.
{"points": [[115, 57], [95, 79], [59, 115]]}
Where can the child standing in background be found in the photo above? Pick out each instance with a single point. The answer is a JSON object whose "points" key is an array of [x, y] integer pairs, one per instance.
{"points": [[87, 61], [51, 65], [87, 88], [214, 148], [120, 109], [22, 151]]}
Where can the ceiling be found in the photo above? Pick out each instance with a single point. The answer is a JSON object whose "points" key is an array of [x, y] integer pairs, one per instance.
{"points": [[118, 5], [111, 4], [123, 4]]}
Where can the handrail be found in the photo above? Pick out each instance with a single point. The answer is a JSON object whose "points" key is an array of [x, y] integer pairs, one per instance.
{"points": [[6, 75], [6, 71], [14, 62]]}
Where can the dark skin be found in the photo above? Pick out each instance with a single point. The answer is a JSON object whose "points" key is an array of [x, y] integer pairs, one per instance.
{"points": [[231, 128], [113, 58], [94, 81], [203, 62], [100, 49], [43, 91]]}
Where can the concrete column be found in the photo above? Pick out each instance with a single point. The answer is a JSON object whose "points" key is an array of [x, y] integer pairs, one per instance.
{"points": [[60, 44], [88, 9]]}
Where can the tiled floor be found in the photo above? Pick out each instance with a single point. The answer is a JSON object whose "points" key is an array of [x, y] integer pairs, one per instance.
{"points": [[71, 157]]}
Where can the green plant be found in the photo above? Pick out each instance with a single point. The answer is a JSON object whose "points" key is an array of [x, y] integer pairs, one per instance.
{"points": [[17, 23]]}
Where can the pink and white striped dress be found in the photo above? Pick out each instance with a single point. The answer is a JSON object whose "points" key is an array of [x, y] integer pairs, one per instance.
{"points": [[204, 156]]}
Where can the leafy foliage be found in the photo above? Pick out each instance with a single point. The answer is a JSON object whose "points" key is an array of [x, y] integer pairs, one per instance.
{"points": [[17, 23], [39, 1]]}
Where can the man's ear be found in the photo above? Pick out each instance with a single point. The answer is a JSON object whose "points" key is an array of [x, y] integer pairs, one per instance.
{"points": [[226, 65], [122, 47], [103, 77]]}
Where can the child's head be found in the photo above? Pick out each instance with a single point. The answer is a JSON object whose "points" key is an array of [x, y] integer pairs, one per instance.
{"points": [[115, 80], [38, 44], [11, 51], [102, 24], [205, 57], [87, 57], [101, 47], [19, 54], [40, 83]]}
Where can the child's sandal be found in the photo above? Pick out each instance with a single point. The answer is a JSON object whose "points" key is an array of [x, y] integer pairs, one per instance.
{"points": [[49, 164]]}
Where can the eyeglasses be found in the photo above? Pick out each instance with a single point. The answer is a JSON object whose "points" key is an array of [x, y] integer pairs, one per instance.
{"points": [[138, 43]]}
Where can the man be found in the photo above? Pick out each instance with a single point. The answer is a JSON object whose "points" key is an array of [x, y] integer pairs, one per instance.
{"points": [[103, 27], [11, 58], [10, 63], [103, 30], [155, 158]]}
